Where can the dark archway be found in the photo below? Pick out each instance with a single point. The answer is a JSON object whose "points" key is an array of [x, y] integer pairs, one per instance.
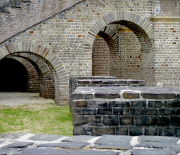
{"points": [[13, 77]]}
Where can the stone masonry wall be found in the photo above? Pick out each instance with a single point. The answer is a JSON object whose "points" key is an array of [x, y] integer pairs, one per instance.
{"points": [[126, 111]]}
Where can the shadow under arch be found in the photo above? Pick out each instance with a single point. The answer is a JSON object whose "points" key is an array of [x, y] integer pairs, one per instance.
{"points": [[139, 25], [44, 59]]}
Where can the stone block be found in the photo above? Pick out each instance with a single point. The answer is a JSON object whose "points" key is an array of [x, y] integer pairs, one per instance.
{"points": [[150, 131], [95, 119], [89, 111], [167, 131], [80, 120], [76, 111], [155, 104], [122, 131], [88, 96], [117, 111], [77, 96], [175, 121], [139, 104], [80, 104], [136, 131], [177, 132], [104, 111], [130, 95], [166, 111], [99, 131], [161, 121], [111, 104], [148, 111], [143, 121], [172, 104], [98, 104], [83, 82], [153, 95], [132, 111], [110, 120], [126, 121], [77, 130], [122, 104]]}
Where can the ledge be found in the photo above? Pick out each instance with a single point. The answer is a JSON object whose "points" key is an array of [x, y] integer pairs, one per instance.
{"points": [[167, 19]]}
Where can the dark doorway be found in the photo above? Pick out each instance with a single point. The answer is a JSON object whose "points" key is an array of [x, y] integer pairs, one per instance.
{"points": [[13, 76]]}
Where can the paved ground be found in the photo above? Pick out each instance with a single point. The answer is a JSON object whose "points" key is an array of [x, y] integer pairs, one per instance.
{"points": [[29, 144], [16, 99]]}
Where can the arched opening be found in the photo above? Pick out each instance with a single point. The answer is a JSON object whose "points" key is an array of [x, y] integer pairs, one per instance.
{"points": [[14, 76], [141, 28]]}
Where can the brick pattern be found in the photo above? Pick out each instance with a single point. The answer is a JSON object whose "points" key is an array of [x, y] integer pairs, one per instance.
{"points": [[100, 58], [126, 111]]}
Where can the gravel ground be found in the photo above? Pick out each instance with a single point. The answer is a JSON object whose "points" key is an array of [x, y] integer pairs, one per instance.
{"points": [[17, 99]]}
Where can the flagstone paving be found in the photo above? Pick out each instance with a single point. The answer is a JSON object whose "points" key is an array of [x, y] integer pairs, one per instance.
{"points": [[30, 144]]}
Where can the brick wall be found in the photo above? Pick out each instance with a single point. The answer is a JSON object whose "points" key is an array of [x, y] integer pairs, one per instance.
{"points": [[100, 58]]}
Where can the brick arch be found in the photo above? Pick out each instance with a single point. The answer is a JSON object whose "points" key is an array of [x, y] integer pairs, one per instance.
{"points": [[42, 55], [139, 25]]}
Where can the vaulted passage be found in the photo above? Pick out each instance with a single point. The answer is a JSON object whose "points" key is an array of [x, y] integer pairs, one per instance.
{"points": [[14, 76]]}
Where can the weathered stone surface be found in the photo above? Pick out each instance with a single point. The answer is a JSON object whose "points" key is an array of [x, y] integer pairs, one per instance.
{"points": [[157, 142], [167, 132], [10, 135], [130, 95], [166, 111], [126, 121], [150, 131], [80, 120], [89, 111], [82, 138], [122, 131], [45, 137], [155, 104], [160, 95], [117, 111], [76, 111], [132, 111], [122, 103], [115, 142], [172, 104], [80, 104], [19, 145], [153, 152], [174, 121], [139, 104], [148, 111], [136, 131], [104, 111], [59, 151], [77, 130], [99, 131], [95, 119], [144, 121], [74, 145], [110, 120]]}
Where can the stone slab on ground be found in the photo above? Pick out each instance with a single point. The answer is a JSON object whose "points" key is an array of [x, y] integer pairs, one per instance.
{"points": [[19, 145], [155, 152], [45, 137], [113, 142], [82, 138], [158, 142], [11, 135], [2, 141], [47, 151], [71, 145]]}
